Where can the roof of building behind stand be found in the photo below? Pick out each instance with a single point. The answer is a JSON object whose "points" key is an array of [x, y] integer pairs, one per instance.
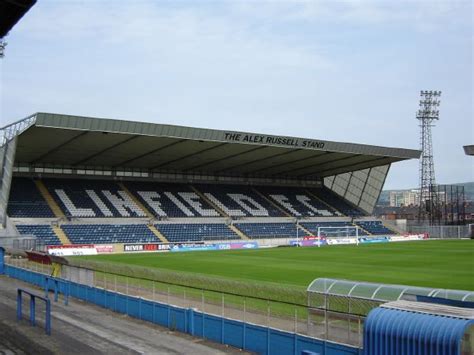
{"points": [[469, 149], [52, 140], [11, 11]]}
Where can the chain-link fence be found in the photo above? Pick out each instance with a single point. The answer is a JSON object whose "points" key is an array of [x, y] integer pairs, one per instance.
{"points": [[328, 319], [339, 318], [441, 232]]}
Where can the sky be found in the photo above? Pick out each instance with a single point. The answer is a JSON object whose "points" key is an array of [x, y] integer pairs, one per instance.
{"points": [[348, 71]]}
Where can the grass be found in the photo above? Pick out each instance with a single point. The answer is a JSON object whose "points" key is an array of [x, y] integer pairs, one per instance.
{"points": [[281, 275], [437, 264]]}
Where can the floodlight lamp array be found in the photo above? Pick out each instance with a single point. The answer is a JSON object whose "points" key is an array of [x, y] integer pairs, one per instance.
{"points": [[429, 93], [428, 103], [3, 44]]}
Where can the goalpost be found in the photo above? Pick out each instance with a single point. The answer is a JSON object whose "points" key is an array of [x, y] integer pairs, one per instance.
{"points": [[339, 232]]}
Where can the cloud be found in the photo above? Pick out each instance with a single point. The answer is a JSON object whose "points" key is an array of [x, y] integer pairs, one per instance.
{"points": [[421, 15], [345, 70]]}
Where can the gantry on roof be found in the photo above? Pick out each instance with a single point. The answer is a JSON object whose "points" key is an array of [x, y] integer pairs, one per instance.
{"points": [[45, 139]]}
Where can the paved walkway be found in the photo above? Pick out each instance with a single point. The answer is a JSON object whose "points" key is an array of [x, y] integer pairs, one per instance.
{"points": [[337, 329], [81, 328]]}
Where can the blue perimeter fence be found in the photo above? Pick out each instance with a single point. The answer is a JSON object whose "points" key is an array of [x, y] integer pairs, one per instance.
{"points": [[255, 338]]}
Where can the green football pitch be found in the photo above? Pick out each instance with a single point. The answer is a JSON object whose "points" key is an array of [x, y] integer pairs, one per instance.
{"points": [[437, 264]]}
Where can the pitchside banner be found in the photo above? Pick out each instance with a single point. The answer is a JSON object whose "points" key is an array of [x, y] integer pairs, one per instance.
{"points": [[192, 247], [243, 245], [409, 237], [104, 248], [377, 239], [71, 250], [218, 246], [80, 249], [187, 247], [339, 241], [145, 247], [308, 242]]}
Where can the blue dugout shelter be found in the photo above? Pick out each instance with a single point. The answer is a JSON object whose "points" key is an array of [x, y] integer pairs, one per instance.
{"points": [[406, 327], [2, 262]]}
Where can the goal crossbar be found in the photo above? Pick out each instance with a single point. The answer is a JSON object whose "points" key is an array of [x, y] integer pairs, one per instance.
{"points": [[338, 232]]}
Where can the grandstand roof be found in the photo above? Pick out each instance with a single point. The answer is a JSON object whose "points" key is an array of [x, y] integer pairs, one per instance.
{"points": [[71, 141], [11, 11]]}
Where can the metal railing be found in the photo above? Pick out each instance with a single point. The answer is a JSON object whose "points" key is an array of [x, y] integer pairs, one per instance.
{"points": [[441, 232], [8, 132], [325, 324]]}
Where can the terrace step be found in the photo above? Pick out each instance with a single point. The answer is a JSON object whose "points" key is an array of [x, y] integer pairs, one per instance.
{"points": [[238, 232], [269, 200], [323, 202], [157, 233], [61, 235], [49, 199], [365, 230], [304, 229], [213, 205], [136, 200]]}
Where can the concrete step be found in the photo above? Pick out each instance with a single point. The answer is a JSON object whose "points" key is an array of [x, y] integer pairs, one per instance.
{"points": [[238, 232], [49, 199], [136, 200], [157, 233], [270, 201], [365, 230], [61, 235], [324, 202], [304, 229], [212, 204]]}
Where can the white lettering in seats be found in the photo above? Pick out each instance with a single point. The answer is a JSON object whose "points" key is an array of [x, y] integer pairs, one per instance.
{"points": [[152, 199], [305, 201], [249, 204], [193, 200], [123, 203], [283, 200], [179, 204], [99, 203], [75, 211], [224, 208]]}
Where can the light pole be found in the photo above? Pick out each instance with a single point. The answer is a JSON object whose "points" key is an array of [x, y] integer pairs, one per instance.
{"points": [[297, 234], [427, 115]]}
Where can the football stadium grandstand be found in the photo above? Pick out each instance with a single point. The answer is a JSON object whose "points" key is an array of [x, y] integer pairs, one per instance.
{"points": [[71, 185], [82, 180], [85, 186]]}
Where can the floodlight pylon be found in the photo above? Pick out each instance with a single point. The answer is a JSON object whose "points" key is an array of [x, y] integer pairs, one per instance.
{"points": [[429, 209]]}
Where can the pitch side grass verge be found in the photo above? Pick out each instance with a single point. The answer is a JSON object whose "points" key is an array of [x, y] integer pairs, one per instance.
{"points": [[282, 274]]}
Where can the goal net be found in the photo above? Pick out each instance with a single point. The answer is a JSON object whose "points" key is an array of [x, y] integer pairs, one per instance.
{"points": [[339, 232]]}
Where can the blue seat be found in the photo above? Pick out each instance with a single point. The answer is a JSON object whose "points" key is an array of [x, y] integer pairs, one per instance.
{"points": [[44, 233], [268, 230], [375, 227], [297, 202], [158, 199], [108, 233], [81, 198], [333, 228], [26, 201], [337, 202], [192, 232], [242, 200]]}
